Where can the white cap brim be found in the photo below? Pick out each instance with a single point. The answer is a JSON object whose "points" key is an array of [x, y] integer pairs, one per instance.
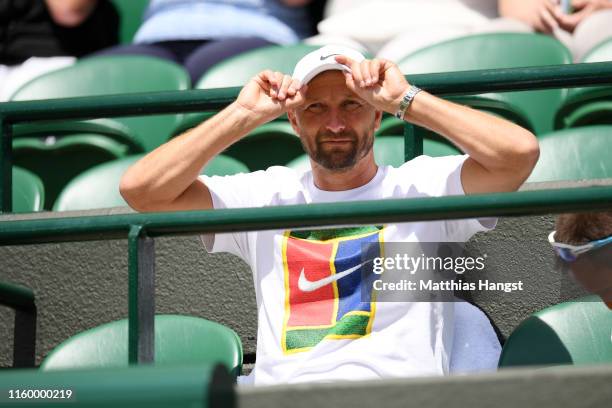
{"points": [[323, 59]]}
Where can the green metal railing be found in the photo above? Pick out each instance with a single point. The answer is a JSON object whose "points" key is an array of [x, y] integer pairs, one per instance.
{"points": [[21, 299], [142, 228]]}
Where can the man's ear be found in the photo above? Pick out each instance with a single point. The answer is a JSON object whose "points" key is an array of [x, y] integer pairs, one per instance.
{"points": [[377, 118]]}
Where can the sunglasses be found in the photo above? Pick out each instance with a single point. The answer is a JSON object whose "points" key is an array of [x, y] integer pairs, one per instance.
{"points": [[569, 253]]}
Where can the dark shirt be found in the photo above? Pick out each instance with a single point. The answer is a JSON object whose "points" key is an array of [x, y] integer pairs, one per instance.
{"points": [[27, 30]]}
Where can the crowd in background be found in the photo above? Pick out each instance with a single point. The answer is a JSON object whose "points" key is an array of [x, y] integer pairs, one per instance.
{"points": [[38, 36]]}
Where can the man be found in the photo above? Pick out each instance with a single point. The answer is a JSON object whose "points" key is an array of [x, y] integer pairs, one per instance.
{"points": [[584, 242], [318, 320]]}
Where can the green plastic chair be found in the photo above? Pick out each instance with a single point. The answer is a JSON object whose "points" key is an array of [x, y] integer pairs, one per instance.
{"points": [[575, 154], [576, 332], [109, 128], [532, 109], [271, 144], [130, 17], [238, 70], [107, 75], [178, 340], [588, 106], [57, 161], [98, 187], [389, 150], [28, 191]]}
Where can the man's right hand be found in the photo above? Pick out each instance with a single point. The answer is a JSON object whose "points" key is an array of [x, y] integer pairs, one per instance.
{"points": [[270, 94]]}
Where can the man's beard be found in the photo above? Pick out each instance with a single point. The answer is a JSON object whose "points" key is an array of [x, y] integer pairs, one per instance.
{"points": [[339, 157]]}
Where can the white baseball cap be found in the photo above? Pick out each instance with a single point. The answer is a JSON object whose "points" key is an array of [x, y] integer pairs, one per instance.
{"points": [[323, 59]]}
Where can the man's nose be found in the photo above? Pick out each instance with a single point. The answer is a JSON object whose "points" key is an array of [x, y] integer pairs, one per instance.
{"points": [[335, 121]]}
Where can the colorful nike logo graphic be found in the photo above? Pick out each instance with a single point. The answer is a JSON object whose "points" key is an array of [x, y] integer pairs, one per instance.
{"points": [[308, 286]]}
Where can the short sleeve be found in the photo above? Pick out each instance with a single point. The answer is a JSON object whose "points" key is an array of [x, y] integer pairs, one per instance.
{"points": [[441, 176], [244, 190], [225, 193]]}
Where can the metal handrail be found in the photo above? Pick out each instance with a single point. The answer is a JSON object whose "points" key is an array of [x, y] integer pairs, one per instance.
{"points": [[197, 100], [84, 228]]}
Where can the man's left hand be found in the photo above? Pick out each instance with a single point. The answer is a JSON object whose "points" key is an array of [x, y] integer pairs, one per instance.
{"points": [[379, 82]]}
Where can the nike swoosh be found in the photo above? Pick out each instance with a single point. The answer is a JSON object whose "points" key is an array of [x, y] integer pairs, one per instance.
{"points": [[327, 56], [308, 286]]}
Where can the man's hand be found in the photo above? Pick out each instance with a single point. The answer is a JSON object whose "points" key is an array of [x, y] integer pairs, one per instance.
{"points": [[270, 94], [379, 82]]}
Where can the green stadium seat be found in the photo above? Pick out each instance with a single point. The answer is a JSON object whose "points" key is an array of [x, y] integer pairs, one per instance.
{"points": [[178, 340], [237, 71], [57, 161], [271, 144], [109, 128], [389, 150], [98, 187], [574, 154], [576, 332], [28, 191], [107, 75], [533, 109], [130, 17], [588, 106]]}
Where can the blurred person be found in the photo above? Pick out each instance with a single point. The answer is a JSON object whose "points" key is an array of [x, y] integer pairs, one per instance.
{"points": [[38, 36], [404, 26], [313, 323], [585, 24], [200, 33], [584, 242]]}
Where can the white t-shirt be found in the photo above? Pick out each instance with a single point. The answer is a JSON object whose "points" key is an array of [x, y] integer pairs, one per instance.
{"points": [[331, 332]]}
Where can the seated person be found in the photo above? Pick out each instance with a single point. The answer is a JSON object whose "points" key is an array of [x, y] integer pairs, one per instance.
{"points": [[200, 33], [404, 26], [39, 36], [580, 27], [317, 317], [584, 241]]}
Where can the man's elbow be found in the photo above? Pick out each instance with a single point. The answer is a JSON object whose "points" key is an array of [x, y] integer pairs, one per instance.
{"points": [[526, 155], [133, 193]]}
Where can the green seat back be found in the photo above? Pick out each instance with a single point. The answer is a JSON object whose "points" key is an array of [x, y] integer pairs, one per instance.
{"points": [[178, 340], [57, 161], [272, 144], [389, 150], [576, 332], [115, 75], [130, 17], [98, 187], [109, 128], [575, 154], [494, 51], [592, 105], [238, 70], [28, 191]]}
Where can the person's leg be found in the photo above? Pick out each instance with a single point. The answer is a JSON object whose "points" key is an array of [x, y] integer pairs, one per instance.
{"points": [[150, 50], [14, 77], [215, 51], [590, 32]]}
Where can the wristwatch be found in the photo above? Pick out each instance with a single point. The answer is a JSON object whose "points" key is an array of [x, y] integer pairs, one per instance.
{"points": [[406, 101]]}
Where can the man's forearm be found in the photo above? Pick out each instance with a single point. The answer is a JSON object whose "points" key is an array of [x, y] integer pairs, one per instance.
{"points": [[168, 171], [496, 144]]}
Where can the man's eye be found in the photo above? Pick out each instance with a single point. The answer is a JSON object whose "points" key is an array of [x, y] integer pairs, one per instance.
{"points": [[352, 105], [315, 107]]}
